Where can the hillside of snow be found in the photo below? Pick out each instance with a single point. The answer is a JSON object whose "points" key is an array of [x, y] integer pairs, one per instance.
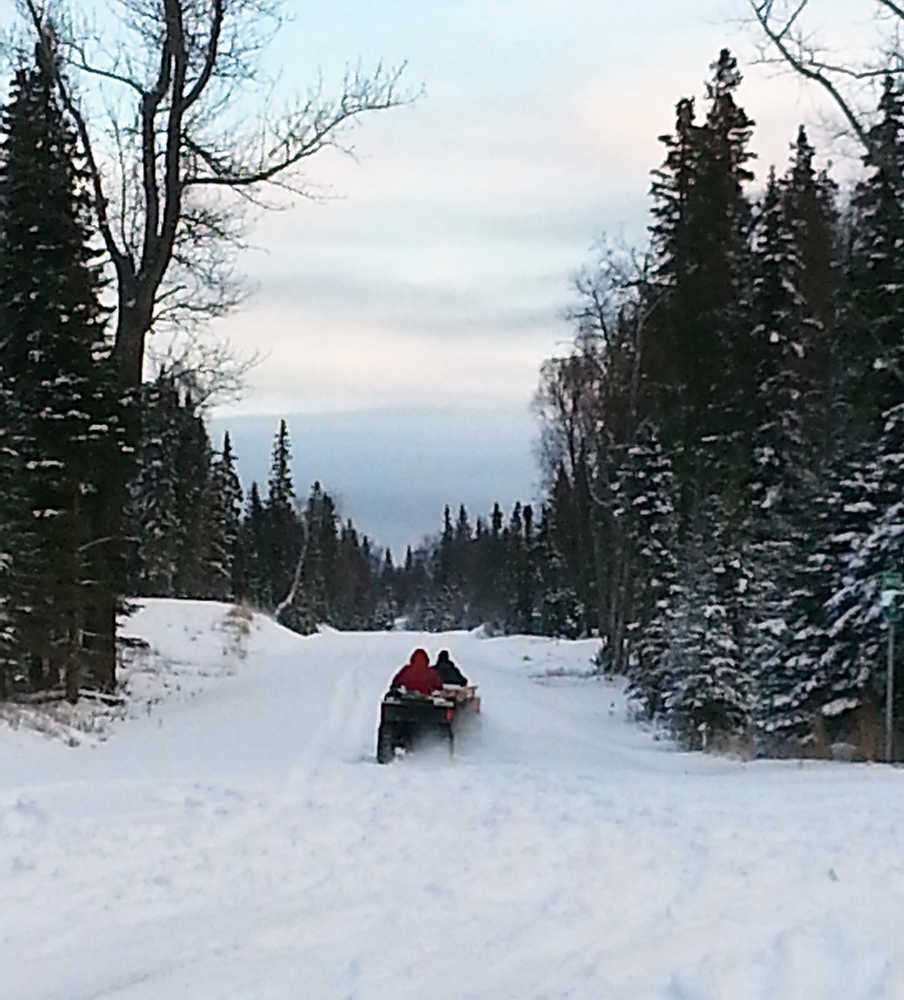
{"points": [[228, 836]]}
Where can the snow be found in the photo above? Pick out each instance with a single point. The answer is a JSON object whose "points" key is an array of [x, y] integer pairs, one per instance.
{"points": [[839, 705], [231, 837]]}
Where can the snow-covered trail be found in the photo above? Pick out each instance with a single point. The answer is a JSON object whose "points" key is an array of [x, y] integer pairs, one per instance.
{"points": [[244, 844]]}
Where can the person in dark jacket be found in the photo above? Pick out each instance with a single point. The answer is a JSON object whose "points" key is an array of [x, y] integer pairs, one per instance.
{"points": [[418, 675], [448, 671]]}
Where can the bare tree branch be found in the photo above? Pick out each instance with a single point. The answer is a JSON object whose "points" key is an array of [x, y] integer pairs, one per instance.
{"points": [[794, 51], [82, 63], [895, 8], [783, 32], [793, 18], [210, 368], [289, 599], [210, 58], [190, 64], [305, 132]]}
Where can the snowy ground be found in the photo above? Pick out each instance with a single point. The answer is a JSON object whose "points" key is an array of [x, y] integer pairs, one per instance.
{"points": [[235, 839]]}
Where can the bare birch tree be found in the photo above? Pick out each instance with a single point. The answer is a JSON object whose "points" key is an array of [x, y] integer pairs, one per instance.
{"points": [[794, 35], [181, 147], [163, 100]]}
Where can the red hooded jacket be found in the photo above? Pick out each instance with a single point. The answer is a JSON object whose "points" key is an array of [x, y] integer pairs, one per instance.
{"points": [[418, 675]]}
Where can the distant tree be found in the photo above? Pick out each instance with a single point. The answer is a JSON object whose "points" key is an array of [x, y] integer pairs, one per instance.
{"points": [[387, 605], [283, 527], [252, 573], [327, 520], [527, 583], [224, 502], [194, 510], [155, 517], [315, 585], [559, 613]]}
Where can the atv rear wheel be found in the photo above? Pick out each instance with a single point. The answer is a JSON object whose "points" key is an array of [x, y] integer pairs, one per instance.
{"points": [[385, 743]]}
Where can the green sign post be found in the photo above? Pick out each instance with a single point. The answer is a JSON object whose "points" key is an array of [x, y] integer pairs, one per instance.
{"points": [[890, 596], [890, 601]]}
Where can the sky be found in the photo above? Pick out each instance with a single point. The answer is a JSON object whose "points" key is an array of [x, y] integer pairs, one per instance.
{"points": [[402, 320]]}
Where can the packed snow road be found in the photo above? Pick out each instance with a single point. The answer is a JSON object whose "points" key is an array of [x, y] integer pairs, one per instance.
{"points": [[242, 844]]}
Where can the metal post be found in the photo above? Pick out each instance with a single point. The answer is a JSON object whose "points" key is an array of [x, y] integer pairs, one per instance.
{"points": [[890, 693]]}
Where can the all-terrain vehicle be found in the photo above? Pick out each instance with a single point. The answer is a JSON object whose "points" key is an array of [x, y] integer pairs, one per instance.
{"points": [[405, 715]]}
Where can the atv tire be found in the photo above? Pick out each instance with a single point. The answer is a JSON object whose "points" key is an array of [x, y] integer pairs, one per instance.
{"points": [[385, 744]]}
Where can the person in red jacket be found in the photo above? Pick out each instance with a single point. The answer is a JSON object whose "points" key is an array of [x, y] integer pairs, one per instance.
{"points": [[418, 675]]}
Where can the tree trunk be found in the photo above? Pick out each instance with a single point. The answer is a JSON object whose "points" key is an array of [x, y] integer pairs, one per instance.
{"points": [[99, 634], [624, 598], [109, 560], [133, 322], [72, 665]]}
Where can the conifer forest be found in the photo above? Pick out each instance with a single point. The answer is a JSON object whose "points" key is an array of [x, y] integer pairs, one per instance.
{"points": [[721, 449]]}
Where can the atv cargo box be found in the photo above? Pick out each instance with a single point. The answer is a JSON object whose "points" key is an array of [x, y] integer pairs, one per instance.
{"points": [[406, 714]]}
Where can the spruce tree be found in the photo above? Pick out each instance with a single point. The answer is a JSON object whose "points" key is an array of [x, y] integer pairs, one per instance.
{"points": [[516, 568], [869, 541], [559, 614], [877, 270], [328, 546], [283, 526], [793, 301], [194, 509], [447, 601], [526, 579], [644, 503], [698, 351], [711, 697], [224, 503], [153, 502], [777, 488], [13, 506], [811, 214], [387, 605], [314, 586], [252, 573], [493, 610], [61, 417]]}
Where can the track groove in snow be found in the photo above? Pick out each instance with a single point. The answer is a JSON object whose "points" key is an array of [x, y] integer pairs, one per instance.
{"points": [[242, 843]]}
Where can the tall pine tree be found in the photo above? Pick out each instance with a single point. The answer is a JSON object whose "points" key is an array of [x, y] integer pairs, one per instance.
{"points": [[61, 415]]}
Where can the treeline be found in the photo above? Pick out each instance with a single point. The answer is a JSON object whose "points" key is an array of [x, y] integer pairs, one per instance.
{"points": [[195, 536], [726, 437], [723, 448], [504, 571]]}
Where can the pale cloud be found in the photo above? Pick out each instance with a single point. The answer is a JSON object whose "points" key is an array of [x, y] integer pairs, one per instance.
{"points": [[451, 250], [329, 363]]}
